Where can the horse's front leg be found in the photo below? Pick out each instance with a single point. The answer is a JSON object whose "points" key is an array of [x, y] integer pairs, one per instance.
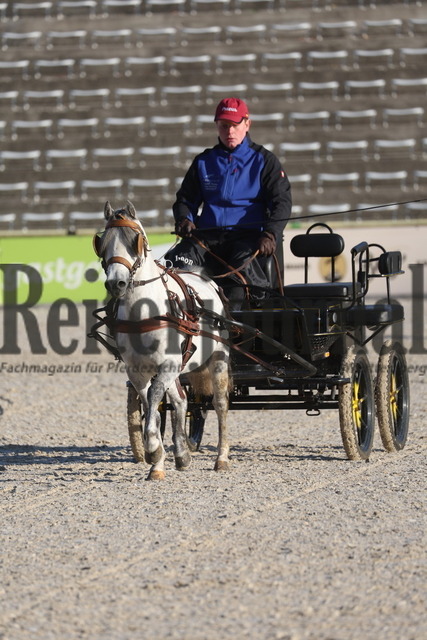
{"points": [[154, 450]]}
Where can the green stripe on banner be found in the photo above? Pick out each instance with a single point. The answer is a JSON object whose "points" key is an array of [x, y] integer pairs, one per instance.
{"points": [[67, 266]]}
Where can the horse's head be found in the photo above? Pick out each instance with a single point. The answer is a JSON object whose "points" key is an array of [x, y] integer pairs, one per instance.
{"points": [[122, 246]]}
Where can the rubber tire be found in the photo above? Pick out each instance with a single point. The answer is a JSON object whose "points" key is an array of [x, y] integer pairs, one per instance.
{"points": [[134, 416], [392, 396], [357, 406]]}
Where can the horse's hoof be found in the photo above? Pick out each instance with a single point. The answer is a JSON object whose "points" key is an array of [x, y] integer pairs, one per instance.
{"points": [[155, 456], [222, 465], [182, 462], [156, 474]]}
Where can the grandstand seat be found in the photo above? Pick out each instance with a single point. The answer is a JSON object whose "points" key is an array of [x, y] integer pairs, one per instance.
{"points": [[3, 10], [403, 115], [134, 125], [190, 63], [204, 121], [65, 157], [235, 62], [325, 209], [416, 25], [111, 36], [412, 84], [303, 117], [78, 125], [165, 5], [216, 91], [356, 116], [88, 187], [91, 218], [351, 178], [8, 219], [166, 92], [386, 177], [32, 98], [348, 148], [73, 7], [88, 97], [23, 158], [113, 6], [14, 67], [18, 38], [160, 154], [15, 188], [375, 56], [170, 122], [405, 145], [419, 178], [381, 27], [99, 65], [54, 67], [64, 187], [210, 5], [3, 124], [66, 38], [290, 29], [36, 127], [269, 60], [188, 34], [115, 155], [413, 55], [391, 210], [140, 95], [261, 90], [308, 88], [269, 118], [424, 146], [354, 86], [329, 57], [41, 220], [148, 186], [341, 29], [138, 64], [302, 149], [31, 9], [414, 210], [143, 35], [235, 32], [303, 179], [9, 97]]}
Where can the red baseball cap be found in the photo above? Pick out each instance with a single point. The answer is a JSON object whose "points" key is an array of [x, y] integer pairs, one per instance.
{"points": [[232, 109]]}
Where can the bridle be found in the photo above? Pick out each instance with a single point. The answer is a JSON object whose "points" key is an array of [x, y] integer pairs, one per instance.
{"points": [[141, 243]]}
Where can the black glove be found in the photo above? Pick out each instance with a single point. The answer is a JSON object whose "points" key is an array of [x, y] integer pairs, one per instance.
{"points": [[266, 244], [184, 227]]}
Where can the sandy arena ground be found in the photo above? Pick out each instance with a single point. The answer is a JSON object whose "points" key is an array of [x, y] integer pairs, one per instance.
{"points": [[294, 543]]}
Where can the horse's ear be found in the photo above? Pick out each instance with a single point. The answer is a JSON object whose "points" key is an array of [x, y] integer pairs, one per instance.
{"points": [[130, 209], [108, 210]]}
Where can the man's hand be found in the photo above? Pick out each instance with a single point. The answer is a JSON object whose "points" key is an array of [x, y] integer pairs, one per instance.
{"points": [[183, 228], [266, 244]]}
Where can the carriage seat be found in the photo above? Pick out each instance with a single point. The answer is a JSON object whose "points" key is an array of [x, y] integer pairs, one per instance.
{"points": [[372, 315], [320, 245]]}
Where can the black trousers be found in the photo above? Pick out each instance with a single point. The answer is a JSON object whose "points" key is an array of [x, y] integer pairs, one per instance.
{"points": [[234, 247]]}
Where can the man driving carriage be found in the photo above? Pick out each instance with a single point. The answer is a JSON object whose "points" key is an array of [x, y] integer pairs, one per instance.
{"points": [[245, 200]]}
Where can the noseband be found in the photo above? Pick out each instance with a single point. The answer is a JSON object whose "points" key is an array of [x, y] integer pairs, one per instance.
{"points": [[141, 244]]}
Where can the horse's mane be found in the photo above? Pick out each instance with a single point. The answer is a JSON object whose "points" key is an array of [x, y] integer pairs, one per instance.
{"points": [[127, 232]]}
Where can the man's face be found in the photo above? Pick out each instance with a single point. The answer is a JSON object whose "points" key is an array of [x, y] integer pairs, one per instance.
{"points": [[231, 134]]}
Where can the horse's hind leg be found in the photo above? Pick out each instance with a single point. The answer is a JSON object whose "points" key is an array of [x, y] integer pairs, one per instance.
{"points": [[180, 446], [220, 383]]}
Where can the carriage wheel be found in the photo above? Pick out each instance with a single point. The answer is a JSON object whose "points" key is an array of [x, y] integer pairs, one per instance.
{"points": [[357, 406], [392, 396], [195, 424], [135, 417]]}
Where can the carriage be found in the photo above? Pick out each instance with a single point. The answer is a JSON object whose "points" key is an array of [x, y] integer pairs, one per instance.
{"points": [[305, 348]]}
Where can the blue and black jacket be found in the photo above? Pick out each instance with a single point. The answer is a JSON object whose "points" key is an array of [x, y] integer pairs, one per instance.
{"points": [[245, 186]]}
